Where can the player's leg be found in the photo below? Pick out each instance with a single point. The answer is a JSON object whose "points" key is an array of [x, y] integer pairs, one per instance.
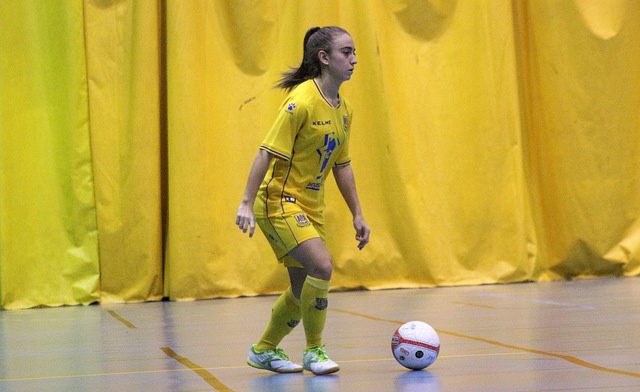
{"points": [[314, 257], [285, 315], [297, 276], [286, 312]]}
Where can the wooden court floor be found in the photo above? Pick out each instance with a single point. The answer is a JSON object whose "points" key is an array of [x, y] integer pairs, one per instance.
{"points": [[555, 336]]}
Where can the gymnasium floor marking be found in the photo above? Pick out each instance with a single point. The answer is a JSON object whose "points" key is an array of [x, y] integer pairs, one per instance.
{"points": [[72, 376], [390, 359], [476, 305], [540, 301], [568, 358], [69, 376], [200, 371], [121, 319]]}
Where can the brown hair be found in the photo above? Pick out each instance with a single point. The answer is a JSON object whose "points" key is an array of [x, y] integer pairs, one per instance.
{"points": [[315, 40]]}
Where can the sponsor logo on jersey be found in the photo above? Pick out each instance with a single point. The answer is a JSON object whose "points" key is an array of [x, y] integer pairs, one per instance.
{"points": [[302, 220], [345, 123], [318, 123], [324, 155], [291, 107], [314, 186], [290, 199], [322, 303], [330, 144]]}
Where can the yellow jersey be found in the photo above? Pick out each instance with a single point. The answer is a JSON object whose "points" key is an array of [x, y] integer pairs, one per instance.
{"points": [[309, 137]]}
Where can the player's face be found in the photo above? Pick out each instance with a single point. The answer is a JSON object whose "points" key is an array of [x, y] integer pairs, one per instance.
{"points": [[342, 58]]}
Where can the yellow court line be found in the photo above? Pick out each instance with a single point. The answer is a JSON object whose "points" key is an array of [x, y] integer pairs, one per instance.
{"points": [[441, 357], [121, 319], [200, 371], [118, 373], [92, 375], [568, 358], [70, 376], [476, 305]]}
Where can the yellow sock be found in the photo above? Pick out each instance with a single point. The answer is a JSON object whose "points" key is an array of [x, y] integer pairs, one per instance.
{"points": [[313, 302], [285, 316]]}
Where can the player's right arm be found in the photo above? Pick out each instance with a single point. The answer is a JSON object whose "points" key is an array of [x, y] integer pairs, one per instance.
{"points": [[245, 218]]}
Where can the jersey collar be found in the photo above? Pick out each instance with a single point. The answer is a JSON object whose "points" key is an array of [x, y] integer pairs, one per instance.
{"points": [[325, 98]]}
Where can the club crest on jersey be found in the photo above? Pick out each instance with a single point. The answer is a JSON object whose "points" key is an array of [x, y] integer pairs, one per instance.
{"points": [[291, 107], [302, 220]]}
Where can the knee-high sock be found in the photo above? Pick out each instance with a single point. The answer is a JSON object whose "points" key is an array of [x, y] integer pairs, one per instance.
{"points": [[285, 316], [314, 309]]}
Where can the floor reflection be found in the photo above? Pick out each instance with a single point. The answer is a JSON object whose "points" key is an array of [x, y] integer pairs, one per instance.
{"points": [[417, 380]]}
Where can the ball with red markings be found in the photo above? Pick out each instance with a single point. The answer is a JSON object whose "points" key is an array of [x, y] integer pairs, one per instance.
{"points": [[415, 345]]}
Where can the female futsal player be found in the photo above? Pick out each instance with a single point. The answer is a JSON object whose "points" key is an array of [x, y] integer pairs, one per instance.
{"points": [[285, 195]]}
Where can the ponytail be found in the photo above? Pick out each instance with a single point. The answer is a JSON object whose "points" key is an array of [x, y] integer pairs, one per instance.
{"points": [[309, 33], [315, 40]]}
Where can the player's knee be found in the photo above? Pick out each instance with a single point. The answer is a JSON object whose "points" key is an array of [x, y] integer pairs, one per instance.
{"points": [[322, 269]]}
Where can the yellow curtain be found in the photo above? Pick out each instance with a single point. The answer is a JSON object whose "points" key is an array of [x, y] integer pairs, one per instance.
{"points": [[436, 143], [581, 98], [493, 142], [49, 242], [123, 46]]}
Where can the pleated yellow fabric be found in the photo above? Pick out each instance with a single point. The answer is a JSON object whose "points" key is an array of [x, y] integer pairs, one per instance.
{"points": [[123, 60], [493, 141], [48, 234], [581, 94]]}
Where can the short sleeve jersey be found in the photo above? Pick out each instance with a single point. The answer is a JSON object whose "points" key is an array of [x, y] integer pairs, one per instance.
{"points": [[310, 137]]}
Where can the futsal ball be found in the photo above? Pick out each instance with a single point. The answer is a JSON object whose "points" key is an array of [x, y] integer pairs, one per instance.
{"points": [[415, 345]]}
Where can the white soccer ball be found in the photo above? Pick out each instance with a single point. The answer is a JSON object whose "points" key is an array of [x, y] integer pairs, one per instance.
{"points": [[415, 345]]}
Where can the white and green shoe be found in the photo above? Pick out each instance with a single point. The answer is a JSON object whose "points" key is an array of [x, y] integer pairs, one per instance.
{"points": [[317, 361], [274, 360]]}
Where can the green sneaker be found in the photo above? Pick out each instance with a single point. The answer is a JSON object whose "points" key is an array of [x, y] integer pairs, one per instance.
{"points": [[274, 360], [317, 361]]}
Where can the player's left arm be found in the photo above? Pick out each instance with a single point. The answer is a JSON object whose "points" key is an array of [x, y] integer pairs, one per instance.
{"points": [[347, 186]]}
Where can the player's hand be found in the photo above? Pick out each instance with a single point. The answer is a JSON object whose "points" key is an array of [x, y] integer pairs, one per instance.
{"points": [[362, 231], [245, 219]]}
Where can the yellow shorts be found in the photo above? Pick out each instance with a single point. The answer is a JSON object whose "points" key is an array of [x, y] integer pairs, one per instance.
{"points": [[288, 230]]}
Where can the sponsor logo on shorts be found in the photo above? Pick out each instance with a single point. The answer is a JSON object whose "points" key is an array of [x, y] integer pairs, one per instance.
{"points": [[302, 220], [322, 303]]}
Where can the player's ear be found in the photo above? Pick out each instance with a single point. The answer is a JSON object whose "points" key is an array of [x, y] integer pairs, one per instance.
{"points": [[323, 57]]}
